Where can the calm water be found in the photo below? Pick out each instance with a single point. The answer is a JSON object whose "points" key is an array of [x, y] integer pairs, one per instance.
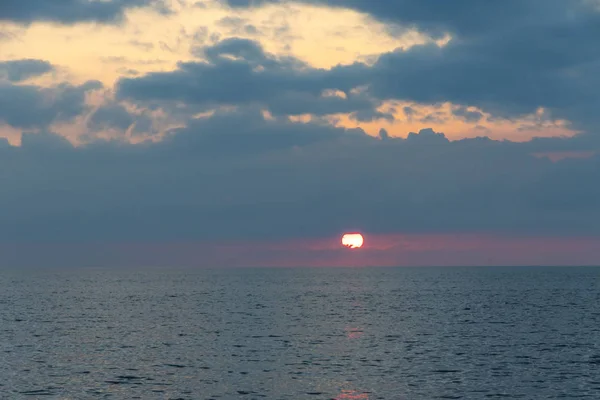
{"points": [[406, 333]]}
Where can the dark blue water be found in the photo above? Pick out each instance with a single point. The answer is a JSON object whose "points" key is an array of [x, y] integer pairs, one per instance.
{"points": [[406, 333]]}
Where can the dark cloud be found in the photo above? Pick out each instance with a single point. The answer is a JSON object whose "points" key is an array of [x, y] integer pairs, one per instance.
{"points": [[370, 115], [409, 112], [113, 116], [144, 125], [20, 70], [239, 72], [72, 11], [509, 76], [238, 175], [116, 117], [506, 58], [29, 106], [546, 58], [222, 135], [383, 134], [467, 115], [583, 142], [436, 117], [427, 137], [462, 17], [44, 142]]}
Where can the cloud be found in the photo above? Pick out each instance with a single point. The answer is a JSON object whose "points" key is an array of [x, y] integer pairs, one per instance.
{"points": [[147, 46], [468, 115], [118, 121], [110, 116], [125, 60], [72, 11], [427, 137], [30, 106], [238, 26], [474, 74], [506, 58], [44, 142], [461, 17], [20, 70], [507, 64], [383, 134], [5, 36], [243, 133], [239, 72], [239, 175], [128, 71], [369, 115]]}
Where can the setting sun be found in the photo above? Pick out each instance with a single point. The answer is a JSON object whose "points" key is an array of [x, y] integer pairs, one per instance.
{"points": [[352, 240]]}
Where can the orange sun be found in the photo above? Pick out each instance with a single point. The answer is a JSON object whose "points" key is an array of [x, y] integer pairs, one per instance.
{"points": [[352, 240]]}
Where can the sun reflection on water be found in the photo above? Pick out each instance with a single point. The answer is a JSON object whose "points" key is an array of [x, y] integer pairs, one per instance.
{"points": [[352, 395]]}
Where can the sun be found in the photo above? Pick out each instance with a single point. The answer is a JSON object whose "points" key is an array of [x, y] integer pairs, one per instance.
{"points": [[352, 240]]}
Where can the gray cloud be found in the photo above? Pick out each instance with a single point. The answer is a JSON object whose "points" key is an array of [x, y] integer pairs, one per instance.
{"points": [[507, 79], [546, 57], [44, 142], [29, 106], [427, 137], [72, 11], [239, 72], [469, 116], [110, 116], [507, 58], [144, 125], [115, 116], [221, 135], [369, 115], [461, 17], [237, 175], [20, 70]]}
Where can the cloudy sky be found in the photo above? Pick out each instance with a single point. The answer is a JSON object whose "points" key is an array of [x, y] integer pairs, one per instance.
{"points": [[256, 132]]}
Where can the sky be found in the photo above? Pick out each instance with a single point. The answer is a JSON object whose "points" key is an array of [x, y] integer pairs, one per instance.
{"points": [[257, 132]]}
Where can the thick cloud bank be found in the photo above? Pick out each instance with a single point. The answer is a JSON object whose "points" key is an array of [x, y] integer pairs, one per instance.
{"points": [[238, 175]]}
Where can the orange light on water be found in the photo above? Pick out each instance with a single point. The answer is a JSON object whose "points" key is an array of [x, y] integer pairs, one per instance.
{"points": [[352, 394]]}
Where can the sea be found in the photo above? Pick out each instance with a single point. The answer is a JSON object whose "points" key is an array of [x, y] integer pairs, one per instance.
{"points": [[300, 333]]}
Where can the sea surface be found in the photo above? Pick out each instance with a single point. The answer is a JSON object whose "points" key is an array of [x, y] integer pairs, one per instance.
{"points": [[305, 333]]}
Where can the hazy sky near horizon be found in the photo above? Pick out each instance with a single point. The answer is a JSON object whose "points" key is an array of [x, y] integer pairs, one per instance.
{"points": [[460, 132]]}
